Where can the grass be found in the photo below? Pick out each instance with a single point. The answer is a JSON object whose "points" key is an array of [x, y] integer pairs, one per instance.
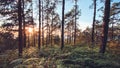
{"points": [[52, 57]]}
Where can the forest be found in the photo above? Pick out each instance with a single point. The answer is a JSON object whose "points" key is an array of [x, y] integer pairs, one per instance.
{"points": [[42, 34]]}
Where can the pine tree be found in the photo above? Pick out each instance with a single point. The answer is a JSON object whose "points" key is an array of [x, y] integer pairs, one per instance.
{"points": [[105, 26], [62, 33]]}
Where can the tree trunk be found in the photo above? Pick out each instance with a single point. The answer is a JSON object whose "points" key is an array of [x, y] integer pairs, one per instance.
{"points": [[33, 27], [28, 40], [93, 25], [112, 31], [51, 27], [75, 22], [62, 34], [23, 17], [34, 43], [42, 26], [49, 32], [47, 35], [20, 28], [39, 34], [105, 26]]}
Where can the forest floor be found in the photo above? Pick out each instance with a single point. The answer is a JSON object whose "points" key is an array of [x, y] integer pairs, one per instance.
{"points": [[52, 57]]}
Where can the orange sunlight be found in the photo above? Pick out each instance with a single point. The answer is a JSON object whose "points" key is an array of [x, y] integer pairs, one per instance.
{"points": [[30, 30]]}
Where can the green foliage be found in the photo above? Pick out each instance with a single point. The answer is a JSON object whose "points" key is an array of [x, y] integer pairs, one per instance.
{"points": [[30, 52], [52, 57], [84, 57]]}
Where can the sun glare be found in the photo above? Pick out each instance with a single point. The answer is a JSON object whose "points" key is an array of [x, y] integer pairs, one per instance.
{"points": [[30, 30]]}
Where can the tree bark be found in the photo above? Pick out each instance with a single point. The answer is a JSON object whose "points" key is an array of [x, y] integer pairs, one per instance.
{"points": [[20, 28], [42, 25], [62, 33], [28, 40], [105, 26], [23, 17], [51, 27], [93, 25], [75, 22], [112, 31], [39, 36], [33, 24]]}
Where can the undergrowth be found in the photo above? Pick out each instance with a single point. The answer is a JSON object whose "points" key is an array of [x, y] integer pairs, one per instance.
{"points": [[53, 57]]}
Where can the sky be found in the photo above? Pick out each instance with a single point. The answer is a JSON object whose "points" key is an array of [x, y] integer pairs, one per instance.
{"points": [[86, 13], [85, 20]]}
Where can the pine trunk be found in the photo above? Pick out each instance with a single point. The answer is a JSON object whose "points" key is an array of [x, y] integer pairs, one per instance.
{"points": [[93, 25], [39, 34], [62, 34], [75, 22], [105, 26], [20, 28]]}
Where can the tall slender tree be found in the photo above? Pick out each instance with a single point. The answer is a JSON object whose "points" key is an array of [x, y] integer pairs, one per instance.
{"points": [[93, 25], [33, 24], [28, 45], [51, 27], [62, 33], [39, 36], [42, 24], [23, 20], [47, 19], [53, 15], [105, 26], [20, 28], [75, 22]]}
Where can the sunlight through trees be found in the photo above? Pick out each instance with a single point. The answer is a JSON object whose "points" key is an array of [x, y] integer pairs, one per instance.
{"points": [[47, 34]]}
